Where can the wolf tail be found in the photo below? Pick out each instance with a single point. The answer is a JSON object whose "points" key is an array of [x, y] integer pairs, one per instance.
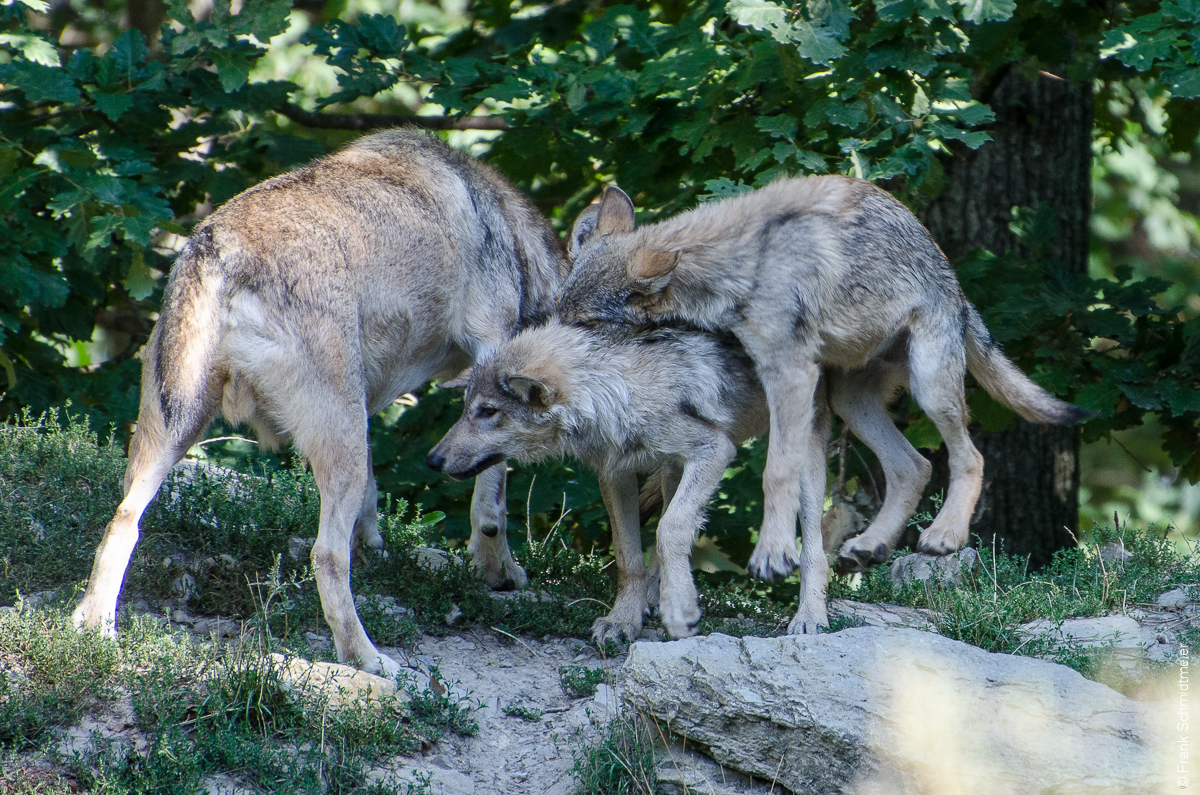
{"points": [[1005, 382], [180, 392], [650, 498]]}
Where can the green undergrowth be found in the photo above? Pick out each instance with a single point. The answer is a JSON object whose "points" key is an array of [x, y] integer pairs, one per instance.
{"points": [[212, 535], [620, 761], [201, 710]]}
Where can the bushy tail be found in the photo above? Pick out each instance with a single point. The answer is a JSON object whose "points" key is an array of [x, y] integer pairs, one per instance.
{"points": [[178, 376], [650, 497], [1005, 382]]}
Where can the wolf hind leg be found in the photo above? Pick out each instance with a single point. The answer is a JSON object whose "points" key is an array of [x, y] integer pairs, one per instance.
{"points": [[337, 452], [154, 449], [859, 398], [937, 366], [488, 546], [670, 475], [366, 526]]}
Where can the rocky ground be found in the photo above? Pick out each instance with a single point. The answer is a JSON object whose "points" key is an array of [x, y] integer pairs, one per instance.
{"points": [[889, 697]]}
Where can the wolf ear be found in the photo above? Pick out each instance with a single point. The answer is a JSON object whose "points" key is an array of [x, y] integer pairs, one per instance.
{"points": [[584, 226], [616, 212], [459, 381], [650, 271], [528, 390]]}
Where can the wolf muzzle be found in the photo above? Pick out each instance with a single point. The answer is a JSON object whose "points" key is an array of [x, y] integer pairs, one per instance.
{"points": [[437, 463]]}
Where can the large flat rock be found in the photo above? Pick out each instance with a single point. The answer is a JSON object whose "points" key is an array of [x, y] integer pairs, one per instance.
{"points": [[875, 710]]}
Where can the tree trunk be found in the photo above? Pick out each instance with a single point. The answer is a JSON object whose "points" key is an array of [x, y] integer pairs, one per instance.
{"points": [[1040, 152]]}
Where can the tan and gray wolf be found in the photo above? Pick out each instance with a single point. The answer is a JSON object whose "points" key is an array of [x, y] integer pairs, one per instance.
{"points": [[821, 274], [622, 400], [312, 301]]}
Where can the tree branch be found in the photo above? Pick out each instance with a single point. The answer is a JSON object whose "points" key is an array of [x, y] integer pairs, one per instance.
{"points": [[371, 121]]}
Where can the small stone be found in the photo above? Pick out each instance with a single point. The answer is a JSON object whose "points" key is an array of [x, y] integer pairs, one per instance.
{"points": [[342, 684], [184, 587], [1174, 598], [180, 617], [298, 547], [1115, 553], [432, 559], [920, 567]]}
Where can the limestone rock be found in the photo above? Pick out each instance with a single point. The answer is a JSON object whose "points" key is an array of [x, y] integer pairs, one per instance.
{"points": [[433, 559], [871, 710], [883, 615], [343, 685], [1115, 554], [684, 771], [1121, 633], [933, 568], [1175, 598]]}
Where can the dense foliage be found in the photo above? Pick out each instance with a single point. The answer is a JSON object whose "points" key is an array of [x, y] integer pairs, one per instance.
{"points": [[113, 142]]}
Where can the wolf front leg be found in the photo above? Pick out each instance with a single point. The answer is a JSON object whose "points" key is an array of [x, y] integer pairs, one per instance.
{"points": [[488, 547], [794, 481], [681, 520], [620, 493]]}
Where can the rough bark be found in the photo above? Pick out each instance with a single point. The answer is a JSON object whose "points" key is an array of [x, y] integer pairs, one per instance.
{"points": [[1040, 152]]}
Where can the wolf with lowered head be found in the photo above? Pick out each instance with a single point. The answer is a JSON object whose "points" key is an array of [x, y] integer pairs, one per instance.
{"points": [[314, 300], [821, 274], [622, 400]]}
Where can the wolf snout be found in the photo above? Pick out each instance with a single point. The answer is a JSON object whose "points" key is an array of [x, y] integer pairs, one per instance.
{"points": [[435, 461]]}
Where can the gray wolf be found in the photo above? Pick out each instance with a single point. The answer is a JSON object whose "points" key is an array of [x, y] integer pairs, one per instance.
{"points": [[314, 300], [822, 274], [622, 400]]}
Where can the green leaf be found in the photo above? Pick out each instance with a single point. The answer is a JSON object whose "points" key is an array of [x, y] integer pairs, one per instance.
{"points": [[1101, 397], [40, 82], [112, 105], [264, 18], [1179, 397], [989, 413], [232, 68], [33, 48], [777, 126], [921, 432], [102, 230], [1183, 82], [576, 94], [139, 283], [987, 10]]}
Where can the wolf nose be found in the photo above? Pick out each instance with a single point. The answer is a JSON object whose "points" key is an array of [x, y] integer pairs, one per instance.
{"points": [[435, 461]]}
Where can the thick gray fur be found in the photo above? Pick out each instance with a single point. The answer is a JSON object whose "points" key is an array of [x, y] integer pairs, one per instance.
{"points": [[315, 299], [824, 275], [622, 400]]}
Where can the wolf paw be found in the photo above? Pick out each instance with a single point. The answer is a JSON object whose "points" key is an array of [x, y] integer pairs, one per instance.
{"points": [[809, 620], [770, 561], [681, 621], [859, 554], [380, 665], [940, 541], [608, 628], [82, 618]]}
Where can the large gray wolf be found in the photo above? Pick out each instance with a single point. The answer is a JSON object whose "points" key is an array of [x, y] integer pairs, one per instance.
{"points": [[622, 400], [312, 301], [821, 274]]}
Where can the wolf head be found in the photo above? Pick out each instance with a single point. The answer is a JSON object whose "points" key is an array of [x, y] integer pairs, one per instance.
{"points": [[509, 412], [613, 278]]}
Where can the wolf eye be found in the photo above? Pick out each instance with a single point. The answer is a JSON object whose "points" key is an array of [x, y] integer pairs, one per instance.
{"points": [[486, 411]]}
